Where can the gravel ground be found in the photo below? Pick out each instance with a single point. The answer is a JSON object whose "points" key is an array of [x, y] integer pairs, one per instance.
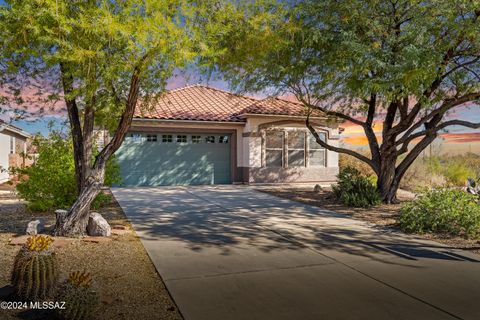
{"points": [[382, 215], [129, 286]]}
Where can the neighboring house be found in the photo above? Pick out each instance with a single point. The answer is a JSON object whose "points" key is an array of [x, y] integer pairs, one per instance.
{"points": [[201, 135], [13, 149]]}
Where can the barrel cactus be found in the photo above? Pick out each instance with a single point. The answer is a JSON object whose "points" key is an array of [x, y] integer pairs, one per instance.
{"points": [[81, 301], [34, 272]]}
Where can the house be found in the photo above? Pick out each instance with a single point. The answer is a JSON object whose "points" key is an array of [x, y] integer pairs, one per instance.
{"points": [[13, 149], [201, 135]]}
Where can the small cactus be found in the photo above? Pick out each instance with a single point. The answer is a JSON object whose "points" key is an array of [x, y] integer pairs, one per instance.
{"points": [[81, 301], [34, 271]]}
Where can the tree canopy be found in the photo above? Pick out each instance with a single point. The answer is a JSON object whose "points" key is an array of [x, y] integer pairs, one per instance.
{"points": [[400, 64], [101, 59]]}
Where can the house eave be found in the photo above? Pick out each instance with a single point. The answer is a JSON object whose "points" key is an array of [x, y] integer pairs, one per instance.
{"points": [[6, 127], [204, 122], [279, 116]]}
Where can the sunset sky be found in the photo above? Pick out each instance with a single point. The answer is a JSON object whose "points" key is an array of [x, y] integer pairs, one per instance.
{"points": [[456, 140]]}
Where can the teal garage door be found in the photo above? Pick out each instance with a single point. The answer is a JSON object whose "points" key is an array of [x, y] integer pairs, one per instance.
{"points": [[164, 159]]}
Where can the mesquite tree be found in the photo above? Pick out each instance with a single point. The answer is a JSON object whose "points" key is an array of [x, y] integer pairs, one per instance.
{"points": [[101, 59], [402, 65]]}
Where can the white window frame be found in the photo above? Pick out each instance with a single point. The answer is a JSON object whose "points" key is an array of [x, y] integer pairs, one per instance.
{"points": [[181, 138], [167, 138], [317, 147], [12, 144], [152, 138], [264, 147], [285, 148], [196, 139]]}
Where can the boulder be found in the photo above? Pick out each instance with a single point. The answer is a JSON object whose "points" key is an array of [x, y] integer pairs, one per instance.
{"points": [[97, 226], [317, 188], [34, 227]]}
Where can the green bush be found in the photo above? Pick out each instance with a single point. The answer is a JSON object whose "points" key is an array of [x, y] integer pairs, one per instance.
{"points": [[450, 211], [457, 173], [355, 189], [50, 183]]}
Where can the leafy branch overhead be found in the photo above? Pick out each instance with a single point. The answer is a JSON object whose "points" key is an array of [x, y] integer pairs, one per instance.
{"points": [[403, 65], [101, 59]]}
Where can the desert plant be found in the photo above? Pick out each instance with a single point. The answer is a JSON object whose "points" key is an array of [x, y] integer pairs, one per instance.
{"points": [[451, 211], [50, 183], [345, 161], [34, 271], [355, 189], [456, 172], [81, 301]]}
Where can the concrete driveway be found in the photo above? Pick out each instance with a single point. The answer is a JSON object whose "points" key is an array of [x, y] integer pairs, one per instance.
{"points": [[230, 252]]}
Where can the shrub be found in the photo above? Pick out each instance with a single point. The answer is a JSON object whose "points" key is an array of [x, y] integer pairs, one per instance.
{"points": [[450, 211], [50, 182], [457, 173], [346, 161], [355, 189]]}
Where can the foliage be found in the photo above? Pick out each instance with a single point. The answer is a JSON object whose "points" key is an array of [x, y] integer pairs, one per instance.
{"points": [[442, 170], [50, 182], [101, 199], [401, 65], [349, 161], [355, 189], [97, 43], [102, 59], [444, 210], [81, 301], [34, 272]]}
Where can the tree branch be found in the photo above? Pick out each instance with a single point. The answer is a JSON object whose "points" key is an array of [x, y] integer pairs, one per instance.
{"points": [[74, 117], [339, 150], [331, 112], [462, 123], [447, 105]]}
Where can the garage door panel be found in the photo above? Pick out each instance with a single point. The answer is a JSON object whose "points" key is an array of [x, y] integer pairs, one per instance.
{"points": [[157, 163]]}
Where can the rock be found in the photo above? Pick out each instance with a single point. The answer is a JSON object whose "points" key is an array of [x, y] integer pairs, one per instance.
{"points": [[34, 227], [20, 240], [119, 227], [96, 239], [120, 232], [97, 226], [60, 242], [317, 188]]}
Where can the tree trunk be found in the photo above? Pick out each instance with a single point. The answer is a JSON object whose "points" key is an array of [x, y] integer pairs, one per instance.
{"points": [[75, 222], [388, 189], [387, 183]]}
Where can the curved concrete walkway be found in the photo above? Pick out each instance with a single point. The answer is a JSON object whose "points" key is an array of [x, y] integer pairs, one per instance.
{"points": [[230, 252]]}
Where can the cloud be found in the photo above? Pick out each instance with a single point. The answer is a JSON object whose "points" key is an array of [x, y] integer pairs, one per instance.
{"points": [[461, 137]]}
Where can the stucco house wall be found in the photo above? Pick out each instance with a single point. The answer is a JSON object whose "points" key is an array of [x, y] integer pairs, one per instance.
{"points": [[13, 144], [248, 147], [4, 156], [200, 111], [254, 169]]}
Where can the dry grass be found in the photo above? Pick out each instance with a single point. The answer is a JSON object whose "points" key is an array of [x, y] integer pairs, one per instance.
{"points": [[382, 215], [129, 286]]}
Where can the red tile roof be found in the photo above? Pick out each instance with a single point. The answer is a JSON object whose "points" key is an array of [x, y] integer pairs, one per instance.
{"points": [[276, 106], [203, 103]]}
